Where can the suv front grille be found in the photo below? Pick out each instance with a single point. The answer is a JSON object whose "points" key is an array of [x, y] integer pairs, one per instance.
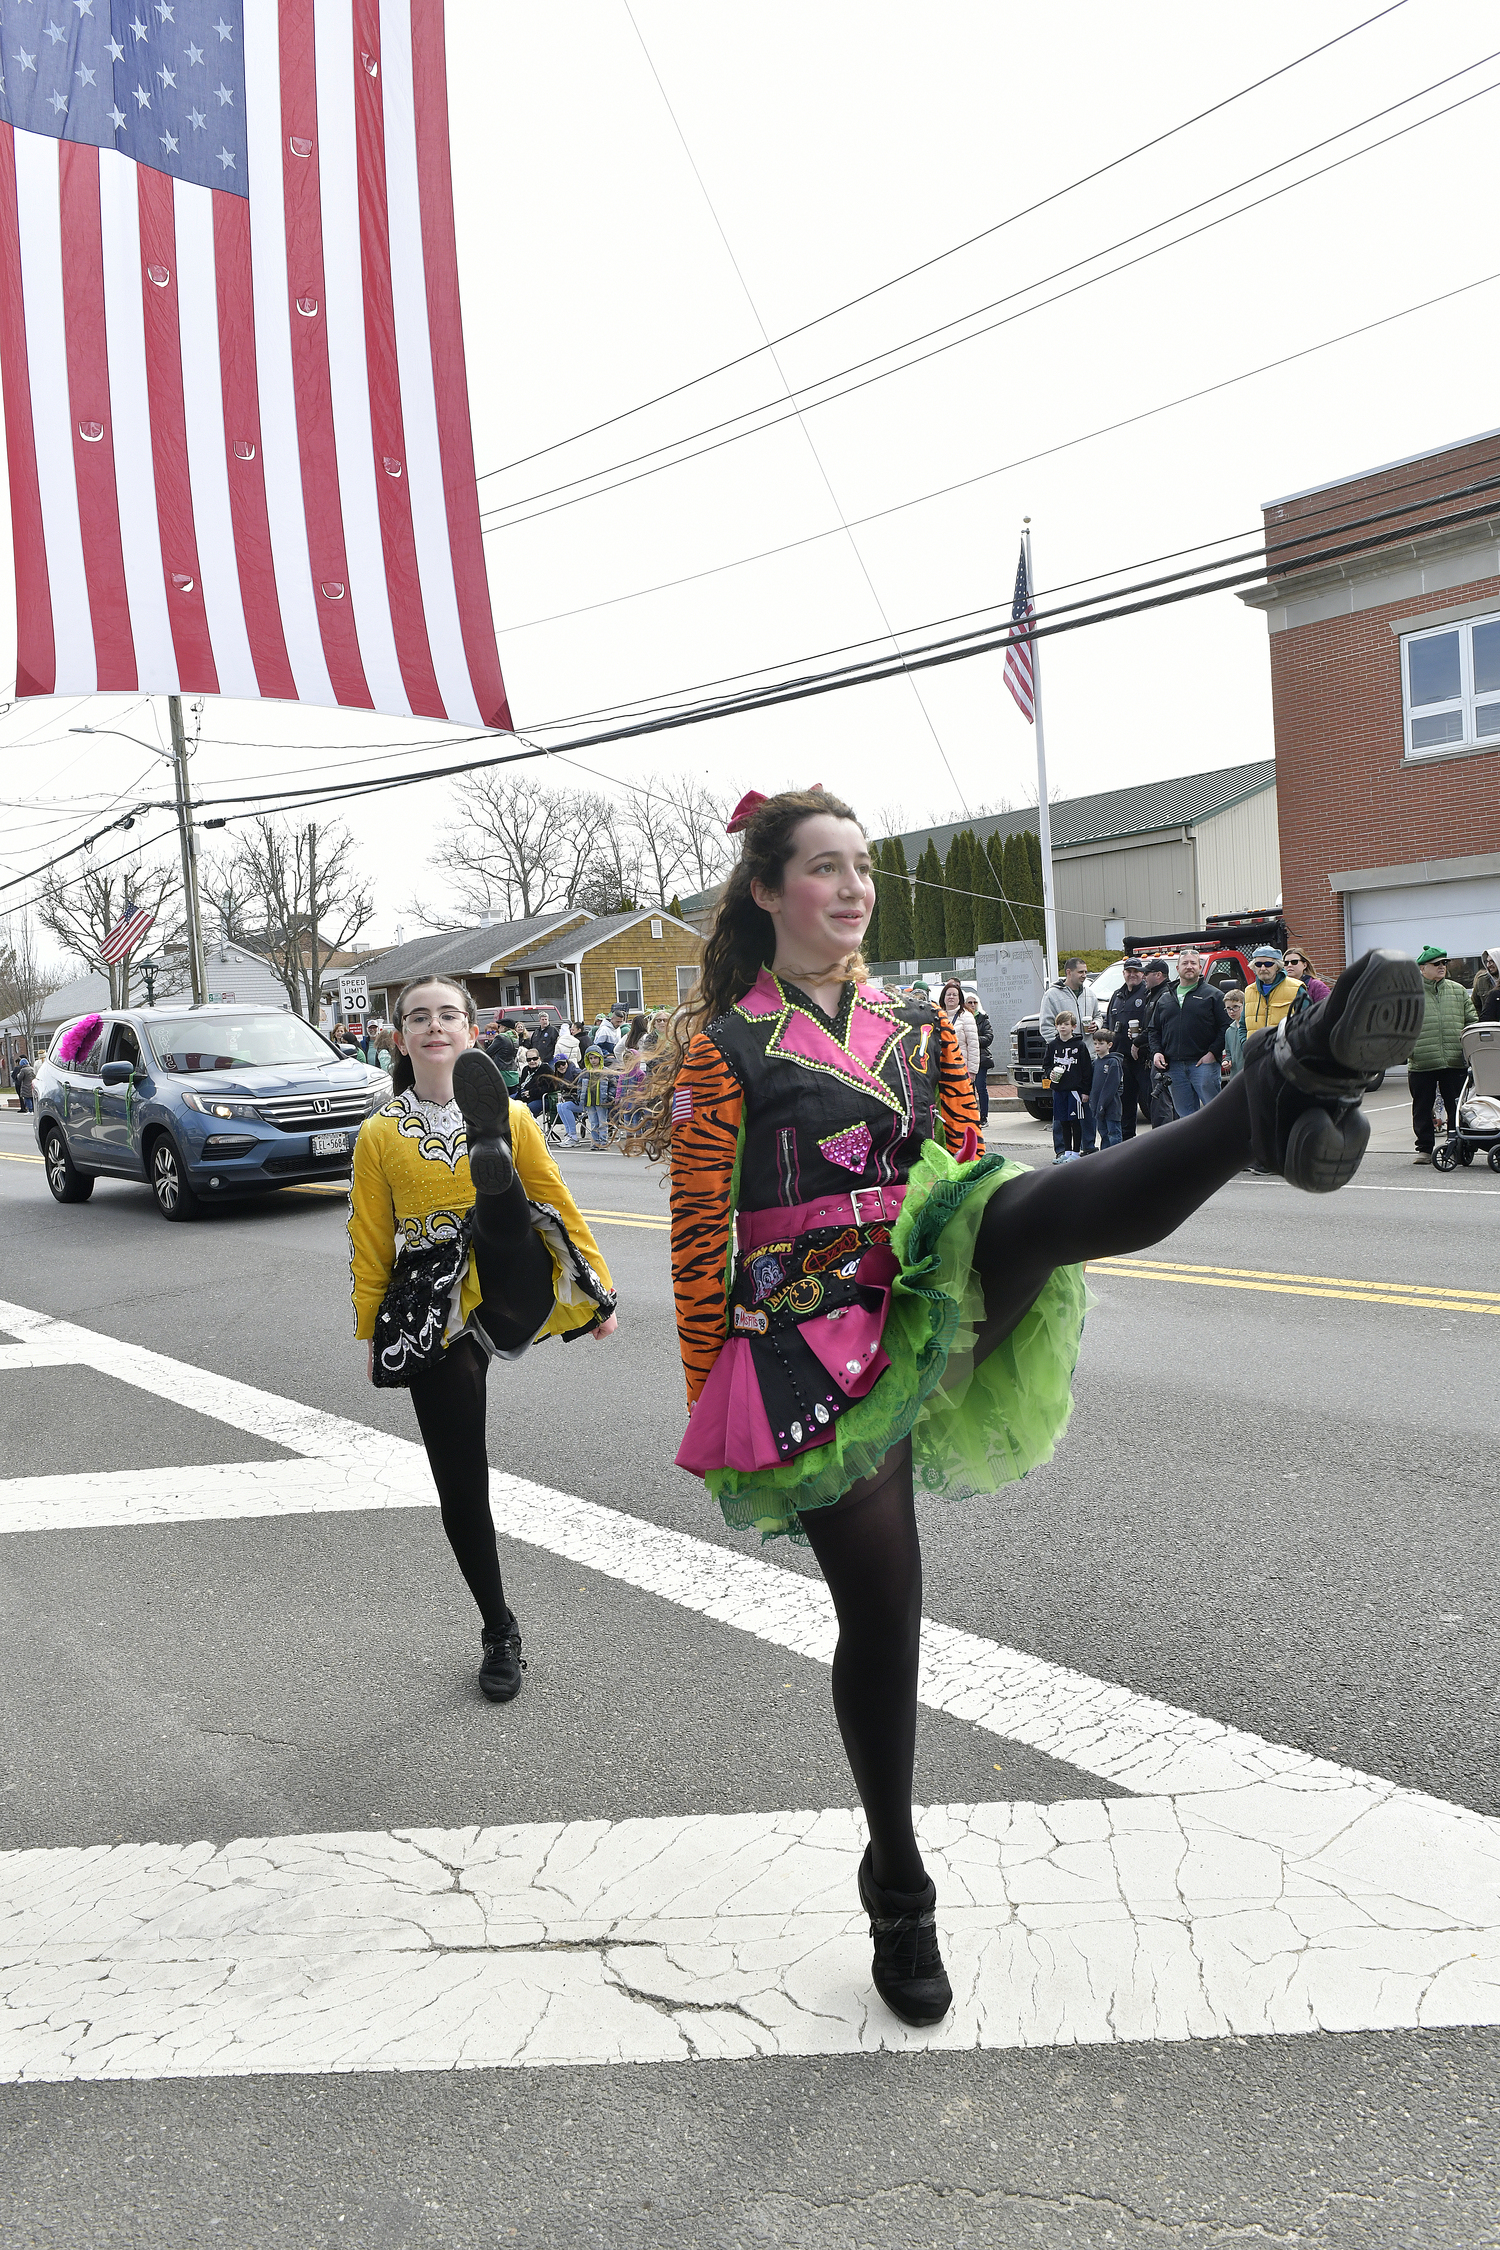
{"points": [[315, 1113], [1029, 1045]]}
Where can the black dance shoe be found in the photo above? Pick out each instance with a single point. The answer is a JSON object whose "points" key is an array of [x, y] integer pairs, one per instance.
{"points": [[908, 1967], [1306, 1079], [483, 1096], [500, 1673]]}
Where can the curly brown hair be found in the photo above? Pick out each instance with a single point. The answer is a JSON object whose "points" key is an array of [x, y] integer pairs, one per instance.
{"points": [[741, 944]]}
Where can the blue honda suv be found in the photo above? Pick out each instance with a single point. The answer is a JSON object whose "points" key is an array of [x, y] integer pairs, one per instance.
{"points": [[204, 1104]]}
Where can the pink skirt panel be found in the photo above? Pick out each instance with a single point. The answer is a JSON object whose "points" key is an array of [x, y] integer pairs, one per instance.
{"points": [[729, 1427], [847, 1344]]}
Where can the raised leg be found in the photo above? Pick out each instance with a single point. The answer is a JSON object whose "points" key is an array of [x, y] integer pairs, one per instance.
{"points": [[1131, 1196]]}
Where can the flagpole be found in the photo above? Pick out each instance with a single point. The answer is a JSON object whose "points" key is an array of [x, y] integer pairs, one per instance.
{"points": [[196, 973], [1043, 808]]}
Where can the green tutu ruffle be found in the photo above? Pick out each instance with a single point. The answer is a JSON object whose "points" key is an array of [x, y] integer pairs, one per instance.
{"points": [[973, 1429]]}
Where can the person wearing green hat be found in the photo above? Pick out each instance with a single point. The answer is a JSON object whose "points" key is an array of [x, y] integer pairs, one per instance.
{"points": [[1436, 1063]]}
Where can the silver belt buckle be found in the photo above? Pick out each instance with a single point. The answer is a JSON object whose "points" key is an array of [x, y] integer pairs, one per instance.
{"points": [[860, 1218]]}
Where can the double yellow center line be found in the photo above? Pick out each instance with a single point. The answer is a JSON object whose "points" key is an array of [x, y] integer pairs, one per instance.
{"points": [[1414, 1295], [627, 1219]]}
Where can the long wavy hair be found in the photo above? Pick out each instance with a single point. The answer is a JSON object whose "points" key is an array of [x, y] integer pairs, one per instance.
{"points": [[402, 1075], [741, 944]]}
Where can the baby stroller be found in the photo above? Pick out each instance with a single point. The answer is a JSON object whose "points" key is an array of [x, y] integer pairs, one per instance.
{"points": [[1478, 1124]]}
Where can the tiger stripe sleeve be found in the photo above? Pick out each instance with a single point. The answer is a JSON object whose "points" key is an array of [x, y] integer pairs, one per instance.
{"points": [[707, 1110], [957, 1100]]}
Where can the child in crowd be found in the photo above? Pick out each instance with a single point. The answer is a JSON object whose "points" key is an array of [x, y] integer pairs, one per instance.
{"points": [[590, 1097], [1069, 1070], [1106, 1090], [1234, 1037]]}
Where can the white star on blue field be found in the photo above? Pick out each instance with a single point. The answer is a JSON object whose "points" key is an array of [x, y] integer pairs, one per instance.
{"points": [[163, 81]]}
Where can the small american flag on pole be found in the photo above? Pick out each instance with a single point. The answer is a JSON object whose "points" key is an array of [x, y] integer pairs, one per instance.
{"points": [[1019, 677], [126, 934], [235, 394]]}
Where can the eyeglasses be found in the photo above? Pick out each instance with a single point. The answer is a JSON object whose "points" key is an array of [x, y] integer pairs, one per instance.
{"points": [[1294, 961], [421, 1019]]}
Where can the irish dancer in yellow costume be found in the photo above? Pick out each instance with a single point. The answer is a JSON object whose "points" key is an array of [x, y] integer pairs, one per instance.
{"points": [[868, 1302], [464, 1246]]}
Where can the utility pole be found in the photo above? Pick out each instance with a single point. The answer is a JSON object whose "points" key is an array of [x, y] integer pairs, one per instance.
{"points": [[316, 1017], [1043, 808], [196, 971]]}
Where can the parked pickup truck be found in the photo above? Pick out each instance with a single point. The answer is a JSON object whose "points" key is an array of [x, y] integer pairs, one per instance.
{"points": [[1226, 943]]}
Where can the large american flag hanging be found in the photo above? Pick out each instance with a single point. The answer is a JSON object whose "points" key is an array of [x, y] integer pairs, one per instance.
{"points": [[1019, 677], [235, 395]]}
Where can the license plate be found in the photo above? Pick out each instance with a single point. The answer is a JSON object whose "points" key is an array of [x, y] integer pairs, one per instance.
{"points": [[330, 1144]]}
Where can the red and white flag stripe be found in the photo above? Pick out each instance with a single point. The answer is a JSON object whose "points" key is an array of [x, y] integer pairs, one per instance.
{"points": [[238, 426]]}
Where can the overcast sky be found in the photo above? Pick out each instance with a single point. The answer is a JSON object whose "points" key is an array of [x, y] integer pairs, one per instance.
{"points": [[838, 145]]}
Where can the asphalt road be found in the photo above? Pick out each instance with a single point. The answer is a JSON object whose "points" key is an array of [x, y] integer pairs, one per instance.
{"points": [[1274, 1507]]}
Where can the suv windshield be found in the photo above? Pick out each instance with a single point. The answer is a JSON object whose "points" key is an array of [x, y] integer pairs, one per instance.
{"points": [[238, 1043]]}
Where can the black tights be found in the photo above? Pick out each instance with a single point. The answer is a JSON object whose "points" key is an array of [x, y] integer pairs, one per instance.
{"points": [[515, 1281], [1121, 1199]]}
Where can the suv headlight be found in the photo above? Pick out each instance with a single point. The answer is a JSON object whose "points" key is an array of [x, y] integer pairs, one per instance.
{"points": [[207, 1106], [380, 1094]]}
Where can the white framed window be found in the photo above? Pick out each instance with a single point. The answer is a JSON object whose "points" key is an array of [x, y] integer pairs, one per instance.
{"points": [[656, 929], [1450, 686], [628, 990], [687, 978]]}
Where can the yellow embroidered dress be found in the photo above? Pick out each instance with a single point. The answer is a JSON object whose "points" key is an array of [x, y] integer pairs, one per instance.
{"points": [[412, 1188]]}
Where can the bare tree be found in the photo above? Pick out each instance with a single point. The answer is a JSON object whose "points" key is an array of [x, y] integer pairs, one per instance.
{"points": [[613, 877], [25, 979], [698, 814], [650, 819], [227, 886], [516, 847], [81, 910], [271, 863], [500, 850]]}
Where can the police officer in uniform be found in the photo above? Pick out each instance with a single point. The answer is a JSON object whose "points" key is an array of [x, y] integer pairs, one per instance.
{"points": [[1127, 1007]]}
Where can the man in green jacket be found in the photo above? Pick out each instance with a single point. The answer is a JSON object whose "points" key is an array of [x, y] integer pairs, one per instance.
{"points": [[1436, 1064]]}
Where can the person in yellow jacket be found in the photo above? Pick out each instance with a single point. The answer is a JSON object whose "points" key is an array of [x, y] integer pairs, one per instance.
{"points": [[464, 1245], [1272, 995]]}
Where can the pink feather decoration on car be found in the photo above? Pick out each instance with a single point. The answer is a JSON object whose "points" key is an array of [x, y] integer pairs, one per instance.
{"points": [[79, 1040]]}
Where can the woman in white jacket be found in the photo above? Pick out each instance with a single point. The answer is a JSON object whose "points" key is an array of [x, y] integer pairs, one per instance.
{"points": [[965, 1030]]}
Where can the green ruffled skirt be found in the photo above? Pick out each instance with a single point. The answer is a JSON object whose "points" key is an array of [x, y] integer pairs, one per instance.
{"points": [[973, 1429]]}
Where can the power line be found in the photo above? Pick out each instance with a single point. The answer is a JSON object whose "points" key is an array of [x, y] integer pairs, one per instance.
{"points": [[959, 649], [838, 506], [1024, 460], [924, 265], [660, 467]]}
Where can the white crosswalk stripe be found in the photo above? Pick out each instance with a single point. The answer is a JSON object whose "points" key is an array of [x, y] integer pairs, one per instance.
{"points": [[1245, 1888]]}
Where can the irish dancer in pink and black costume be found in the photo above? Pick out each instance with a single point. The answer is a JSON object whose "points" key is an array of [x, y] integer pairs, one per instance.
{"points": [[869, 1304]]}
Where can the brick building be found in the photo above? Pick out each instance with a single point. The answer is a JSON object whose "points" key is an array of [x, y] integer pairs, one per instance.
{"points": [[1385, 683]]}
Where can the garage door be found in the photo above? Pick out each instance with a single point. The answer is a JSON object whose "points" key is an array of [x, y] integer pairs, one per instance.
{"points": [[1465, 917]]}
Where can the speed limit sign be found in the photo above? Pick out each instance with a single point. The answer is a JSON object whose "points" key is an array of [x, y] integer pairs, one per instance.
{"points": [[354, 995]]}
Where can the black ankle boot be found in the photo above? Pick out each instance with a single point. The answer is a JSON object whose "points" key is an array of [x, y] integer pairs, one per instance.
{"points": [[1305, 1080], [908, 1967], [500, 1673], [483, 1096]]}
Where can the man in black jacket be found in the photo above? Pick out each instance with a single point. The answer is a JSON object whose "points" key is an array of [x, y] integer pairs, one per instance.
{"points": [[1127, 1007], [1153, 990], [1187, 1027]]}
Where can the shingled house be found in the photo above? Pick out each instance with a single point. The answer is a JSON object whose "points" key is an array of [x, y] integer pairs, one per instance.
{"points": [[577, 962]]}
